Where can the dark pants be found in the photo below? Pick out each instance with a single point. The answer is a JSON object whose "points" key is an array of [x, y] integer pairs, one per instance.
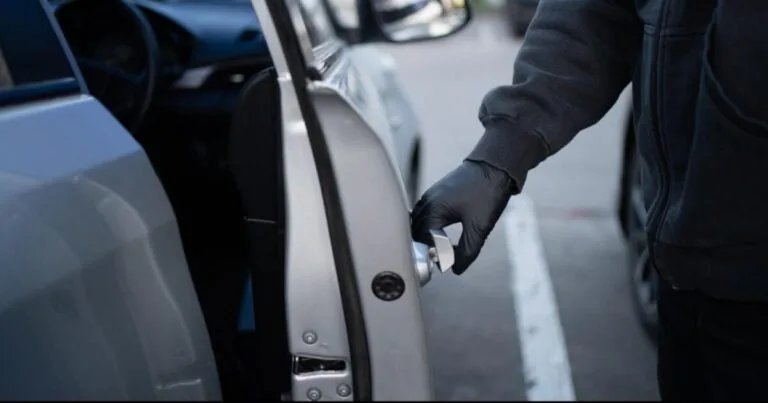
{"points": [[711, 349]]}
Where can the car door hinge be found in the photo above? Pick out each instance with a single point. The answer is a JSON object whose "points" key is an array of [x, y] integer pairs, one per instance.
{"points": [[324, 379], [307, 365]]}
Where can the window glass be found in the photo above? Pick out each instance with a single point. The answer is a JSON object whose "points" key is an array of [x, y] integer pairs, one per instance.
{"points": [[318, 23], [30, 51], [6, 80], [346, 13]]}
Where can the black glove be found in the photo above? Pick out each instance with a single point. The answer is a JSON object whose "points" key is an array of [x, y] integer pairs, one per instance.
{"points": [[474, 194]]}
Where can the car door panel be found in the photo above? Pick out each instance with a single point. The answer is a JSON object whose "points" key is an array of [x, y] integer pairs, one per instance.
{"points": [[380, 68], [320, 282], [376, 216], [95, 291], [96, 300], [340, 68], [345, 204]]}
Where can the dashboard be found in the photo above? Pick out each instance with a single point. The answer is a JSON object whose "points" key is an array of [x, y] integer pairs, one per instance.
{"points": [[207, 49], [94, 30]]}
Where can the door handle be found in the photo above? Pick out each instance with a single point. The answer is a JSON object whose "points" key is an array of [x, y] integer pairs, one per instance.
{"points": [[438, 255]]}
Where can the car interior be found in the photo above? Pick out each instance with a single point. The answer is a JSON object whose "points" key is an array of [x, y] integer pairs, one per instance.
{"points": [[217, 150]]}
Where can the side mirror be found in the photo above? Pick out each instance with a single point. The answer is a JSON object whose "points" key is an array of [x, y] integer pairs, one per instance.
{"points": [[414, 20], [344, 13]]}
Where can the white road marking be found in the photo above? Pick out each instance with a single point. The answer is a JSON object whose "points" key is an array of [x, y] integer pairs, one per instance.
{"points": [[546, 367]]}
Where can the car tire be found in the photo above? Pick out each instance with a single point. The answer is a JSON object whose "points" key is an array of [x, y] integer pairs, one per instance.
{"points": [[413, 181], [516, 25], [642, 275]]}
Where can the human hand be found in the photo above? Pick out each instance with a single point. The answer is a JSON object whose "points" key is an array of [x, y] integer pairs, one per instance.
{"points": [[474, 194]]}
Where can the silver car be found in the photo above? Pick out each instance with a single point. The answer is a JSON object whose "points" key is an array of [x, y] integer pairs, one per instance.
{"points": [[123, 268]]}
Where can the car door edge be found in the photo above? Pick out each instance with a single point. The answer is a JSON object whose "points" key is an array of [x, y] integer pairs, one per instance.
{"points": [[342, 254]]}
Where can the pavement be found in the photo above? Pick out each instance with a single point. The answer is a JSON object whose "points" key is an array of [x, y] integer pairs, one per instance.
{"points": [[545, 313]]}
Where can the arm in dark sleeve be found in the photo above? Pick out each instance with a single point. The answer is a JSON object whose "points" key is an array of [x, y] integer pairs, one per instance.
{"points": [[739, 55], [577, 57]]}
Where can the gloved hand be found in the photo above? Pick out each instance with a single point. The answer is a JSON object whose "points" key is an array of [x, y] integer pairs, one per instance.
{"points": [[474, 194]]}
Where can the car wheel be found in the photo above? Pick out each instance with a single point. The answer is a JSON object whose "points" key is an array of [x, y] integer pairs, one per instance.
{"points": [[643, 276], [516, 25], [413, 182]]}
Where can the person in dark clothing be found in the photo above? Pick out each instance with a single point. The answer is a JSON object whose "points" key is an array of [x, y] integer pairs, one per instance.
{"points": [[700, 92]]}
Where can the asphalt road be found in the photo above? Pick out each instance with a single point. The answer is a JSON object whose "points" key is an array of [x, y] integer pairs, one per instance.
{"points": [[496, 332]]}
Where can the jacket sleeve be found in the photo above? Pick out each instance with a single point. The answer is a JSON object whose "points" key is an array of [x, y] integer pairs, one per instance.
{"points": [[577, 57]]}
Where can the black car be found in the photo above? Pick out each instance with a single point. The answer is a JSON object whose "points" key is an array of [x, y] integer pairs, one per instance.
{"points": [[519, 15], [632, 217]]}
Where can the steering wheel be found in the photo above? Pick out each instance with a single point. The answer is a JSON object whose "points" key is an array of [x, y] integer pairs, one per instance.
{"points": [[124, 87]]}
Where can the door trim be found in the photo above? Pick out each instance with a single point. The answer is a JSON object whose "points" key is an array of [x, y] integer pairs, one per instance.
{"points": [[294, 55]]}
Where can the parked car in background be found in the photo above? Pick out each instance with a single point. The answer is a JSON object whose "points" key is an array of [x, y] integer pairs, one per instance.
{"points": [[394, 11], [156, 164], [632, 218], [415, 11], [519, 15]]}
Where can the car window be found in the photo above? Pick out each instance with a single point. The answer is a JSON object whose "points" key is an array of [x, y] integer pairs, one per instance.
{"points": [[346, 13], [5, 75], [30, 50], [318, 22]]}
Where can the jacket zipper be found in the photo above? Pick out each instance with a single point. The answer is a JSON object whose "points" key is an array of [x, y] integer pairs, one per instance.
{"points": [[658, 211]]}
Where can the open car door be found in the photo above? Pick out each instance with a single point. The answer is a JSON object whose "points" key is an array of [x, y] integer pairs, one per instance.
{"points": [[355, 325], [96, 299]]}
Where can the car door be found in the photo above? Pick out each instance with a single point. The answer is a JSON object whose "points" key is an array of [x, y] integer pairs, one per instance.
{"points": [[353, 298], [96, 301]]}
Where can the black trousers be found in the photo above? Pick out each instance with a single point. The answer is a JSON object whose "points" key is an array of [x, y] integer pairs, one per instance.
{"points": [[711, 349]]}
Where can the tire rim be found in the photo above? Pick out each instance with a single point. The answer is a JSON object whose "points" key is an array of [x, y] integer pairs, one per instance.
{"points": [[645, 281], [644, 275], [413, 185]]}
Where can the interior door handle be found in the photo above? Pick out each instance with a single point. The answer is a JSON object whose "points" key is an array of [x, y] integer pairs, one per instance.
{"points": [[438, 255]]}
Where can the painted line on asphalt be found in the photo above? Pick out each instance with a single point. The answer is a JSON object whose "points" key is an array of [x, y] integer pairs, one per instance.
{"points": [[546, 367]]}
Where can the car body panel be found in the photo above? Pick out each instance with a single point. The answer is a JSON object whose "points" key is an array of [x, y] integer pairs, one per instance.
{"points": [[367, 87], [96, 300], [354, 127], [381, 69], [368, 181], [313, 300]]}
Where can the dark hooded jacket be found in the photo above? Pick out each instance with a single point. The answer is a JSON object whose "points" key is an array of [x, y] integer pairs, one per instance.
{"points": [[704, 157]]}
